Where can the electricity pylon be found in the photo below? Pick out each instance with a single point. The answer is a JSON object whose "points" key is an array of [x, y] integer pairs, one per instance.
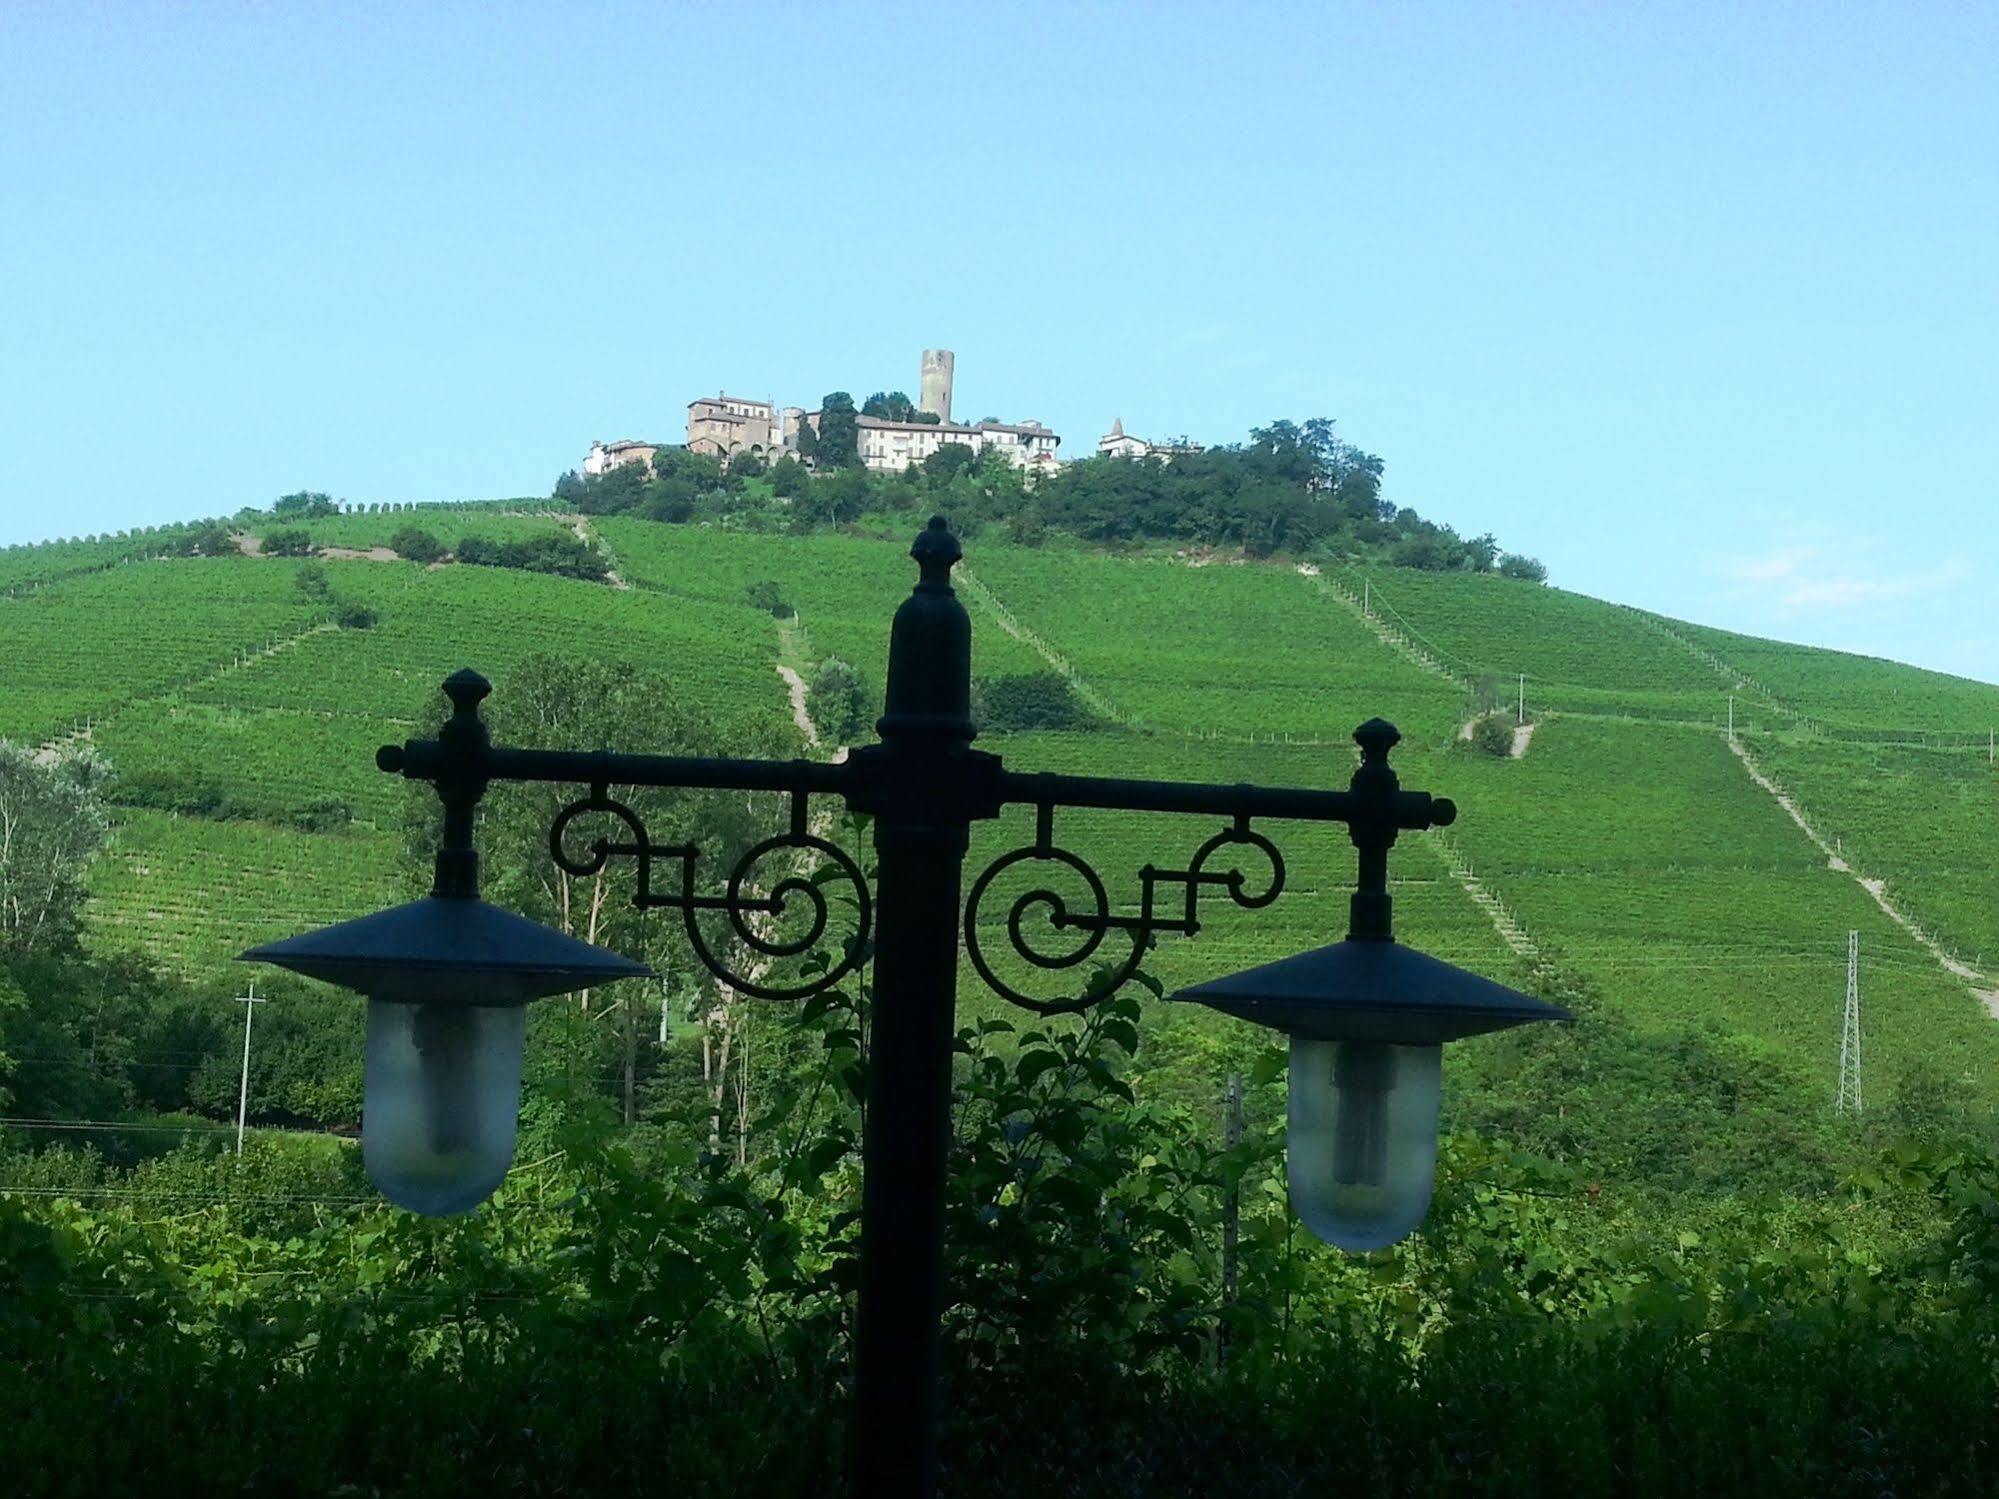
{"points": [[1849, 1033]]}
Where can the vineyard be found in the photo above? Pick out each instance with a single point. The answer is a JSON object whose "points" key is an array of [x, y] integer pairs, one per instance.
{"points": [[1628, 845]]}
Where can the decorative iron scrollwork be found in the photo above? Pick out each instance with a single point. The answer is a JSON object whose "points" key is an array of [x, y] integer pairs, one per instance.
{"points": [[1095, 920], [767, 924]]}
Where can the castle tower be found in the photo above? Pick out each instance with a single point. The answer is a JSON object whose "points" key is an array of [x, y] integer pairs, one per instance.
{"points": [[936, 387]]}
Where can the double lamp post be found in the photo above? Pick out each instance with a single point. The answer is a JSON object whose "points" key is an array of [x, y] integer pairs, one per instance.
{"points": [[448, 977]]}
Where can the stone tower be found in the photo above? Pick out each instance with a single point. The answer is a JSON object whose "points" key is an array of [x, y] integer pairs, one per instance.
{"points": [[936, 387]]}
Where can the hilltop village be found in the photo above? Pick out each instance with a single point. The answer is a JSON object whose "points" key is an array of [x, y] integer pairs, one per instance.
{"points": [[891, 432]]}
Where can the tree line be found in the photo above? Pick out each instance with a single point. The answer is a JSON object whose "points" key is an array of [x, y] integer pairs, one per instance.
{"points": [[1292, 488]]}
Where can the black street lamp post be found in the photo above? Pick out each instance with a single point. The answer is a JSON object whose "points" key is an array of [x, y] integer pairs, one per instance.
{"points": [[447, 976]]}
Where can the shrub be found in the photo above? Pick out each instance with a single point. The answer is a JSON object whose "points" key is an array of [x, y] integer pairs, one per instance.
{"points": [[416, 544], [288, 541], [838, 702], [1036, 700], [555, 552], [769, 597], [1526, 569], [1493, 734], [322, 815], [354, 617], [211, 539], [313, 582]]}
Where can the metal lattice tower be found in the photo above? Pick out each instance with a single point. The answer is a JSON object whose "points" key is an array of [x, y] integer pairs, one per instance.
{"points": [[1849, 1033]]}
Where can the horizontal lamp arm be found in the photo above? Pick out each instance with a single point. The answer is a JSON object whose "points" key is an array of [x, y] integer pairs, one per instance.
{"points": [[427, 759], [1411, 810]]}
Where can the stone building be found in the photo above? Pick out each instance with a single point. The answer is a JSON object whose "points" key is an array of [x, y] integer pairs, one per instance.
{"points": [[724, 425], [605, 456], [934, 391]]}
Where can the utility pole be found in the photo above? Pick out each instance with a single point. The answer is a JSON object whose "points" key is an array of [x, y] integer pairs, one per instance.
{"points": [[1520, 712], [249, 1002], [1849, 1034], [1367, 597], [1231, 1202], [1731, 715]]}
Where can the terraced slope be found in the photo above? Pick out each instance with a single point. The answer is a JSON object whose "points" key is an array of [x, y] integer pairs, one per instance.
{"points": [[1628, 846], [82, 648], [1576, 654], [1220, 649], [1857, 696]]}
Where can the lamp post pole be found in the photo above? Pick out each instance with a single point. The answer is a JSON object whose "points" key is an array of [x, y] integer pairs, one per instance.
{"points": [[921, 834]]}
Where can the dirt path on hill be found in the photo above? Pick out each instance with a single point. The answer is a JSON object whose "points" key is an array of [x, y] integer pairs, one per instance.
{"points": [[1878, 889], [581, 526], [795, 685]]}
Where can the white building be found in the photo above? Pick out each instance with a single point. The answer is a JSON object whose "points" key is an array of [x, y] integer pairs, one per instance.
{"points": [[1118, 443], [605, 456], [889, 447]]}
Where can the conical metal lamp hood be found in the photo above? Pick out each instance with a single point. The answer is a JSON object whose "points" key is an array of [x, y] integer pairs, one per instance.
{"points": [[1371, 991], [448, 950]]}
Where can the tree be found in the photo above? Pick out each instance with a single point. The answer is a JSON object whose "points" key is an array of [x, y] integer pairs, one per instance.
{"points": [[416, 544], [1526, 569], [53, 822], [839, 705], [288, 541], [548, 701], [211, 539], [768, 596], [839, 437], [746, 466], [891, 406], [950, 460], [304, 505]]}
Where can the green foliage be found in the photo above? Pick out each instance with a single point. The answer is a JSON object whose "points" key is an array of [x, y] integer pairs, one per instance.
{"points": [[416, 545], [838, 444], [767, 596], [839, 703], [1038, 700], [53, 823], [288, 541], [891, 406], [1522, 569], [304, 505], [548, 552], [1492, 734]]}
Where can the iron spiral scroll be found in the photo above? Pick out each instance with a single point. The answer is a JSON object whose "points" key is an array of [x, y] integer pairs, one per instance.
{"points": [[1097, 920], [834, 867]]}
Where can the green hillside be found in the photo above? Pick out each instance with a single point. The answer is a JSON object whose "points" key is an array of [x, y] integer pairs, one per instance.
{"points": [[1628, 851]]}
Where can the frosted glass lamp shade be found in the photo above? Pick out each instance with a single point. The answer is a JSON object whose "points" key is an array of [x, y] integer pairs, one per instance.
{"points": [[441, 1094], [1361, 1150]]}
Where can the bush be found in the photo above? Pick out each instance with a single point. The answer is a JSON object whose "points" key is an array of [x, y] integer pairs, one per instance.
{"points": [[288, 541], [322, 815], [1526, 569], [1037, 700], [555, 552], [838, 703], [313, 582], [416, 545], [769, 597], [211, 539], [1493, 734], [354, 617]]}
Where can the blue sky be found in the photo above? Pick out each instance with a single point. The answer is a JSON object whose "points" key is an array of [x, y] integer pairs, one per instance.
{"points": [[1696, 303]]}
